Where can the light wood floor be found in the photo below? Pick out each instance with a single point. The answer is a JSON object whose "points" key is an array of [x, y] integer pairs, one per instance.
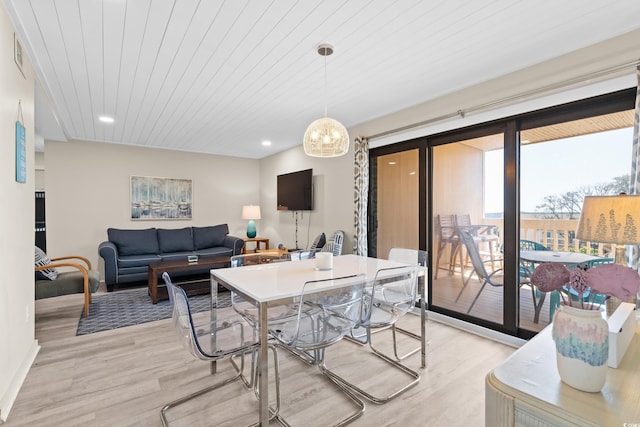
{"points": [[123, 377]]}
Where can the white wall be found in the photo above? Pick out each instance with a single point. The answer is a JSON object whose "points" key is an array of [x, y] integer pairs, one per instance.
{"points": [[332, 198], [17, 344], [610, 53], [88, 191]]}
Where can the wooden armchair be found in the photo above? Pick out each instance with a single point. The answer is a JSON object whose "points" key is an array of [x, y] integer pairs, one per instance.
{"points": [[80, 279]]}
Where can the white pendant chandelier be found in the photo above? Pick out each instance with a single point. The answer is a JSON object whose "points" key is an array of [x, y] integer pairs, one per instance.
{"points": [[326, 137]]}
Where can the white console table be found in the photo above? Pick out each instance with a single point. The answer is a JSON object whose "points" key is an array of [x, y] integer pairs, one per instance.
{"points": [[526, 390]]}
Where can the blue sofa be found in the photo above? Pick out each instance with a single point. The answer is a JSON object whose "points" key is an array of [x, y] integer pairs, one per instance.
{"points": [[128, 253]]}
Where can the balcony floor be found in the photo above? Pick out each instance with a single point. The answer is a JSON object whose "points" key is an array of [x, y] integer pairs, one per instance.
{"points": [[489, 305]]}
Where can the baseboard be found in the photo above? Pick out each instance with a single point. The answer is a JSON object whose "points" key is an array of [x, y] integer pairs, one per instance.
{"points": [[477, 330], [8, 399]]}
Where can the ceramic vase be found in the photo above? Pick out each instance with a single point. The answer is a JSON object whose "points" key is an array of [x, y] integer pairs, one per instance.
{"points": [[582, 347]]}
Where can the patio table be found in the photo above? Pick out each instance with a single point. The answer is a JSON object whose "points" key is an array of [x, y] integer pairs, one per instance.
{"points": [[561, 257]]}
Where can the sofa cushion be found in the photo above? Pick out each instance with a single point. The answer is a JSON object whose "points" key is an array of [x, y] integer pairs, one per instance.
{"points": [[41, 259], [134, 242], [176, 240], [209, 237], [68, 282], [177, 256]]}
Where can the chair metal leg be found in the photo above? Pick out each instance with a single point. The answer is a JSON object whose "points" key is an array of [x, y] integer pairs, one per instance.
{"points": [[184, 399], [319, 361], [394, 330], [477, 295], [415, 377], [250, 384]]}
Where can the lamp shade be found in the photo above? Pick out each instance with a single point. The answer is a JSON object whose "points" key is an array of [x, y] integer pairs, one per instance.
{"points": [[326, 137], [251, 212], [610, 219]]}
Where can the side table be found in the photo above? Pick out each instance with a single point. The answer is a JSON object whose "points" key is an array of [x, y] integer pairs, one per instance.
{"points": [[257, 241], [526, 390]]}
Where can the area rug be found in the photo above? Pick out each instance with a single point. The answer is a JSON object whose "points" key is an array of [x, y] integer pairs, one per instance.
{"points": [[133, 306]]}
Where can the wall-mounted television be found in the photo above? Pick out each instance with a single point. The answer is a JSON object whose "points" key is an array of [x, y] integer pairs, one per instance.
{"points": [[295, 191]]}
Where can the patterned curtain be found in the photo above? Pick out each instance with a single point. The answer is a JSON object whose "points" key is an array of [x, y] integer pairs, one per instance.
{"points": [[361, 195], [633, 252]]}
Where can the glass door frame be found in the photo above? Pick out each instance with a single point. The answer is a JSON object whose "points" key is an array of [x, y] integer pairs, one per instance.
{"points": [[510, 127], [372, 221]]}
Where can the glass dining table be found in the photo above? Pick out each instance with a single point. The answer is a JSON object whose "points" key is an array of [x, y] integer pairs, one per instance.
{"points": [[273, 284]]}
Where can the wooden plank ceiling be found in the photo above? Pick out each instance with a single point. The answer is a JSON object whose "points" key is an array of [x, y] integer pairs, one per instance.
{"points": [[220, 77]]}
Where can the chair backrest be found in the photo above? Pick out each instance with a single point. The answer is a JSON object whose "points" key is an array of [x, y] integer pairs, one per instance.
{"points": [[445, 226], [530, 245], [327, 310], [217, 342], [334, 244], [182, 319], [392, 295], [409, 256], [463, 220], [474, 254]]}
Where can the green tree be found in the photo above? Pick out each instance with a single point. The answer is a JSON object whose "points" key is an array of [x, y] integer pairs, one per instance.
{"points": [[569, 204]]}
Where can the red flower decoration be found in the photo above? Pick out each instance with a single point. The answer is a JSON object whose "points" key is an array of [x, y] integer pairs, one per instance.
{"points": [[550, 277]]}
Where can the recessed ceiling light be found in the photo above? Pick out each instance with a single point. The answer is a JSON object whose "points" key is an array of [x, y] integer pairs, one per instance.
{"points": [[393, 163], [266, 143], [106, 119]]}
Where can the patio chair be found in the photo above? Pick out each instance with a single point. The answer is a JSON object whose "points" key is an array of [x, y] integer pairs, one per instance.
{"points": [[526, 270], [223, 338], [493, 279], [446, 231], [327, 310], [392, 295], [482, 234]]}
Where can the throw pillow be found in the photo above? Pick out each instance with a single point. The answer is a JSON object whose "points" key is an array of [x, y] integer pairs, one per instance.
{"points": [[317, 244], [41, 259]]}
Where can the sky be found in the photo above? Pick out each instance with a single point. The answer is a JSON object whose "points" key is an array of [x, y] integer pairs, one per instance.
{"points": [[553, 168]]}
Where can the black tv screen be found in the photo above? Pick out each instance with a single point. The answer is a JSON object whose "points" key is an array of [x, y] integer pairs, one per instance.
{"points": [[295, 191]]}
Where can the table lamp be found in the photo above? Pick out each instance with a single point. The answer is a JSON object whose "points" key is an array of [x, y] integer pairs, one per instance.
{"points": [[611, 219], [251, 212]]}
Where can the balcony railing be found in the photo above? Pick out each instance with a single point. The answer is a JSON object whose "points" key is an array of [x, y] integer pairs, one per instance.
{"points": [[557, 235]]}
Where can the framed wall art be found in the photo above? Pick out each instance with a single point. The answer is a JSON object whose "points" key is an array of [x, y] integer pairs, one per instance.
{"points": [[155, 198]]}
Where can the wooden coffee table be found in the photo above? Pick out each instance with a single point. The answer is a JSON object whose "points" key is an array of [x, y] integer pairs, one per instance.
{"points": [[183, 265]]}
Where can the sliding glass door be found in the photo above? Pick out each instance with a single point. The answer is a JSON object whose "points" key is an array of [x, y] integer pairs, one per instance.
{"points": [[397, 195], [468, 200], [481, 195]]}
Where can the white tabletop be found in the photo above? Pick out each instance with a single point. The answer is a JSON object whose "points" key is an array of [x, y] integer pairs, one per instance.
{"points": [[274, 281], [557, 256]]}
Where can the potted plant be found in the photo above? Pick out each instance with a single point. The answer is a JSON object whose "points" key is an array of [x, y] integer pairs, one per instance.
{"points": [[580, 332]]}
